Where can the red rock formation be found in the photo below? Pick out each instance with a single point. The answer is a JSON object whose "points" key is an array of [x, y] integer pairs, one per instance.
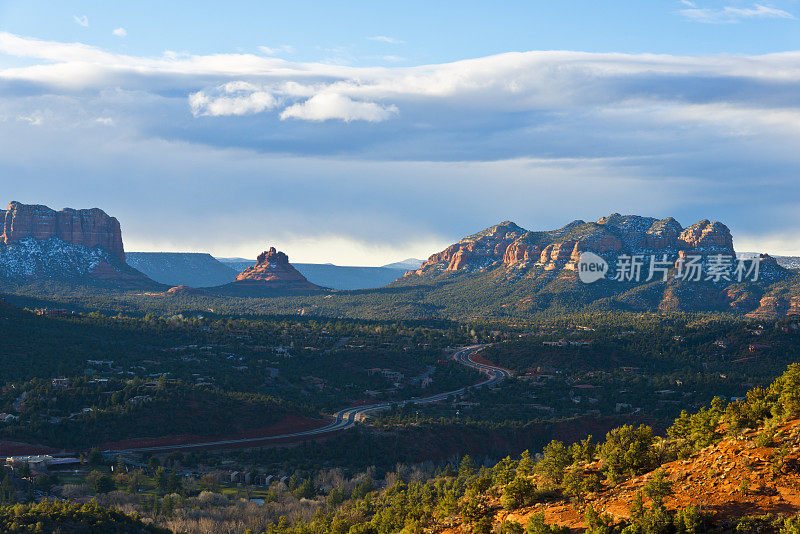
{"points": [[663, 234], [519, 251], [89, 228], [599, 244], [478, 250], [707, 235], [183, 290], [273, 267]]}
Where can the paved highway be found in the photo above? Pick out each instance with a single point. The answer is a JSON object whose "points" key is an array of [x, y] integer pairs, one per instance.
{"points": [[347, 418]]}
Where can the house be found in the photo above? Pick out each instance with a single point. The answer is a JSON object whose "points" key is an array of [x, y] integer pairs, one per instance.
{"points": [[60, 382], [7, 417], [39, 462]]}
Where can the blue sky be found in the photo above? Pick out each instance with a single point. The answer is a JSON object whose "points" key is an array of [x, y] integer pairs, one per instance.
{"points": [[365, 132]]}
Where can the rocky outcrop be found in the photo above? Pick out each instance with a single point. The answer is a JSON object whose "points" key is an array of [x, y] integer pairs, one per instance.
{"points": [[510, 245], [75, 246], [519, 251], [90, 228], [663, 234], [273, 269], [478, 250], [706, 236], [273, 266], [541, 267]]}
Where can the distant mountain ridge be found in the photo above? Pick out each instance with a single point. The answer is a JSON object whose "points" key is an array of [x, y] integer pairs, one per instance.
{"points": [[194, 269], [531, 271], [407, 264]]}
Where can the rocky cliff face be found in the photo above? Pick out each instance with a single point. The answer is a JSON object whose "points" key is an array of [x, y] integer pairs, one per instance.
{"points": [[89, 228], [540, 268], [272, 268], [83, 246], [508, 244]]}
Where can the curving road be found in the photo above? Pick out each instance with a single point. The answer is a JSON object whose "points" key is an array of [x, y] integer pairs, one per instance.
{"points": [[346, 418]]}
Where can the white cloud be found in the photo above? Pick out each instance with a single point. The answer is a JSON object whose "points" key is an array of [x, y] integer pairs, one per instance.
{"points": [[105, 121], [83, 20], [233, 98], [385, 39], [34, 119], [120, 32], [327, 106], [732, 14], [274, 51]]}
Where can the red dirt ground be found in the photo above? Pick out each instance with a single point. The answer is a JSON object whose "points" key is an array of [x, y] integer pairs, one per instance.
{"points": [[477, 358], [287, 425], [18, 448]]}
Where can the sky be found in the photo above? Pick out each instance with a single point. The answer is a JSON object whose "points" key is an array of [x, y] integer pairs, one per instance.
{"points": [[361, 133]]}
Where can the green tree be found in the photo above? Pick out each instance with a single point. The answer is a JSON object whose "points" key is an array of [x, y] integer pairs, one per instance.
{"points": [[525, 465], [100, 482], [554, 462], [627, 450], [467, 467], [503, 472]]}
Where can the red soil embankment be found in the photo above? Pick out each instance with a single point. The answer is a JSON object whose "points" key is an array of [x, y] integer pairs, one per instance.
{"points": [[18, 448], [287, 425]]}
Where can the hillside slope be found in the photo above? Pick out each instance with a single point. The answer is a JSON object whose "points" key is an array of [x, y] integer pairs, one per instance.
{"points": [[193, 269]]}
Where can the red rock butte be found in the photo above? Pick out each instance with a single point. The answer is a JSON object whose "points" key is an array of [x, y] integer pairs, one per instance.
{"points": [[273, 267], [87, 227]]}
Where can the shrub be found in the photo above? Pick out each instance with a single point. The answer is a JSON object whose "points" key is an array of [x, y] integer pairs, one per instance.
{"points": [[509, 527], [788, 388], [518, 493], [791, 525], [600, 523], [657, 488], [536, 525], [690, 521], [627, 450]]}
